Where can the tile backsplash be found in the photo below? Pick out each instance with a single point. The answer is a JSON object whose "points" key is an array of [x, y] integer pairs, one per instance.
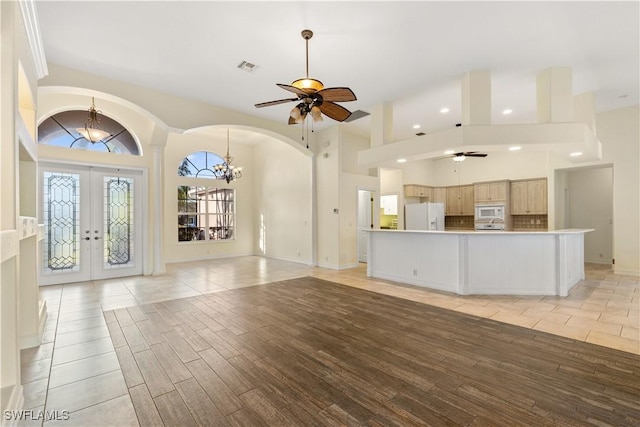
{"points": [[530, 222], [458, 222]]}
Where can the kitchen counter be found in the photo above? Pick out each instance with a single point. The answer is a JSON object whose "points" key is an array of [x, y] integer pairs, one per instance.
{"points": [[480, 262]]}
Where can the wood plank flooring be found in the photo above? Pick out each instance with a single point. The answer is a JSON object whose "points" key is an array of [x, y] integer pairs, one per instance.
{"points": [[307, 352]]}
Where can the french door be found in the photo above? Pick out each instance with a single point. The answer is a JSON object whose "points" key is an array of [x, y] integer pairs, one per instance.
{"points": [[92, 223]]}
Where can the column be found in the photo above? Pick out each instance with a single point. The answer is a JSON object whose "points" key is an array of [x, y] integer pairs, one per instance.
{"points": [[381, 124], [554, 95], [476, 98]]}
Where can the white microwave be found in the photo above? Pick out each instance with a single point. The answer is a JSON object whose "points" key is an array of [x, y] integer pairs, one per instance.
{"points": [[490, 212]]}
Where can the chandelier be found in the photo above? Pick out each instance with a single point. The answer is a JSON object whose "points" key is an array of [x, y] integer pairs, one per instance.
{"points": [[226, 170], [92, 131]]}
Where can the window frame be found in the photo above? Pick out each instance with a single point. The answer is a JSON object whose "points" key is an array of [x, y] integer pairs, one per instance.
{"points": [[202, 208]]}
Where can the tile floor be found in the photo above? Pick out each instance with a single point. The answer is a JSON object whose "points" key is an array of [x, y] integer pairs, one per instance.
{"points": [[79, 364]]}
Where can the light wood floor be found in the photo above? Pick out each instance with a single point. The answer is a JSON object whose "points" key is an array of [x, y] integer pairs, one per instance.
{"points": [[159, 350]]}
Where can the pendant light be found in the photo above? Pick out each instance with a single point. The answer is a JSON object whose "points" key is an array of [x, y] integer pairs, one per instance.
{"points": [[226, 170], [92, 131]]}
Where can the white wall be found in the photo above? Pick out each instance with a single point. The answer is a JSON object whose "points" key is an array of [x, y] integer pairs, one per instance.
{"points": [[619, 131], [350, 144], [282, 195], [328, 198], [496, 166], [590, 197], [420, 172]]}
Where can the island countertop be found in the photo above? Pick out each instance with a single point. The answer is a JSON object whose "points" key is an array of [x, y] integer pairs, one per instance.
{"points": [[480, 262], [564, 231]]}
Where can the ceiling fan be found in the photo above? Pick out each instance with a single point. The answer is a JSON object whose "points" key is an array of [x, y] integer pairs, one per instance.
{"points": [[459, 157], [314, 99]]}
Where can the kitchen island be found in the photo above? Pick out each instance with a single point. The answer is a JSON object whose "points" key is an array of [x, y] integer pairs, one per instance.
{"points": [[476, 263]]}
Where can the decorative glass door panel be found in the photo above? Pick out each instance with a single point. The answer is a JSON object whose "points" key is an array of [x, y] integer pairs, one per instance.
{"points": [[91, 218]]}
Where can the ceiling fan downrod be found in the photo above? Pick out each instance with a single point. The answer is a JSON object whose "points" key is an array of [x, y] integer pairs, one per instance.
{"points": [[306, 35]]}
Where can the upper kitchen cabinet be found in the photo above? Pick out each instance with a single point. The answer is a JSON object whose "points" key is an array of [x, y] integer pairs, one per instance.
{"points": [[440, 195], [422, 191], [529, 197], [389, 204], [491, 192], [460, 200]]}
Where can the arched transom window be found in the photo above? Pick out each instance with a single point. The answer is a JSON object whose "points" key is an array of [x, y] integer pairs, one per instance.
{"points": [[199, 164], [60, 130]]}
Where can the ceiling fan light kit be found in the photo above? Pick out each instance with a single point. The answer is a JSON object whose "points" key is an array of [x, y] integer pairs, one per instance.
{"points": [[314, 100], [308, 85]]}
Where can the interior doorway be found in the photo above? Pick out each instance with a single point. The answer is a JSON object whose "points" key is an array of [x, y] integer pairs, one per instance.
{"points": [[586, 197], [364, 222], [92, 223]]}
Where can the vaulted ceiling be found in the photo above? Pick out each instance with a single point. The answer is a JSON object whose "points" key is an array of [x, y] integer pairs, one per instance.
{"points": [[410, 54]]}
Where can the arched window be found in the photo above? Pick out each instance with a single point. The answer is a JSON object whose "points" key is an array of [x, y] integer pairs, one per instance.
{"points": [[199, 164], [60, 130]]}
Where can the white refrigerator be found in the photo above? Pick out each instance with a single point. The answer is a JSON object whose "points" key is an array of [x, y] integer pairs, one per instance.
{"points": [[424, 216]]}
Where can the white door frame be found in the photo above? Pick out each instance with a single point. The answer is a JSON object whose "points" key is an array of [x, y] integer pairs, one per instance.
{"points": [[91, 220]]}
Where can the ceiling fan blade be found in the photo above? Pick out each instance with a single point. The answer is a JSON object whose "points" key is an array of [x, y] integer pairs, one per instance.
{"points": [[337, 94], [279, 101], [334, 111], [292, 89], [475, 155]]}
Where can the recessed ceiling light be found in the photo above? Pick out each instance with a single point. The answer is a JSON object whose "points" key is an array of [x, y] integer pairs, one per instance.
{"points": [[576, 154], [449, 152], [444, 110], [416, 126], [516, 148], [507, 111], [401, 160]]}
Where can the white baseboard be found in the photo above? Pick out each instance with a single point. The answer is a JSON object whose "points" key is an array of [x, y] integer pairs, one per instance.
{"points": [[34, 340], [622, 272]]}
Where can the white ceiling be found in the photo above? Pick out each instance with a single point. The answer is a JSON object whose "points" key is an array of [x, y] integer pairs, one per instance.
{"points": [[411, 54]]}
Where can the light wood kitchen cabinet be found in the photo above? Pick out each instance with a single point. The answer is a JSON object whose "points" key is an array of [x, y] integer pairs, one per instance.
{"points": [[422, 191], [529, 197], [491, 192], [440, 195], [460, 200]]}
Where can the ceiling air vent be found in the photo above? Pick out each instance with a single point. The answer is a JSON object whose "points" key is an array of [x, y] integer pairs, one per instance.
{"points": [[247, 66], [358, 114]]}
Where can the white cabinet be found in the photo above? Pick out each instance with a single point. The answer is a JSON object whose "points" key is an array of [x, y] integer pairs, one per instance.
{"points": [[389, 204]]}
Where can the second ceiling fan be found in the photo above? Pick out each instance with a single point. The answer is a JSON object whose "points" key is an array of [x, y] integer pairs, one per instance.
{"points": [[314, 99], [459, 157]]}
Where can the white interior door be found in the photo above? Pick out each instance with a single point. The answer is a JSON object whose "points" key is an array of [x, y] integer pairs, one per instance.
{"points": [[92, 219], [365, 222]]}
